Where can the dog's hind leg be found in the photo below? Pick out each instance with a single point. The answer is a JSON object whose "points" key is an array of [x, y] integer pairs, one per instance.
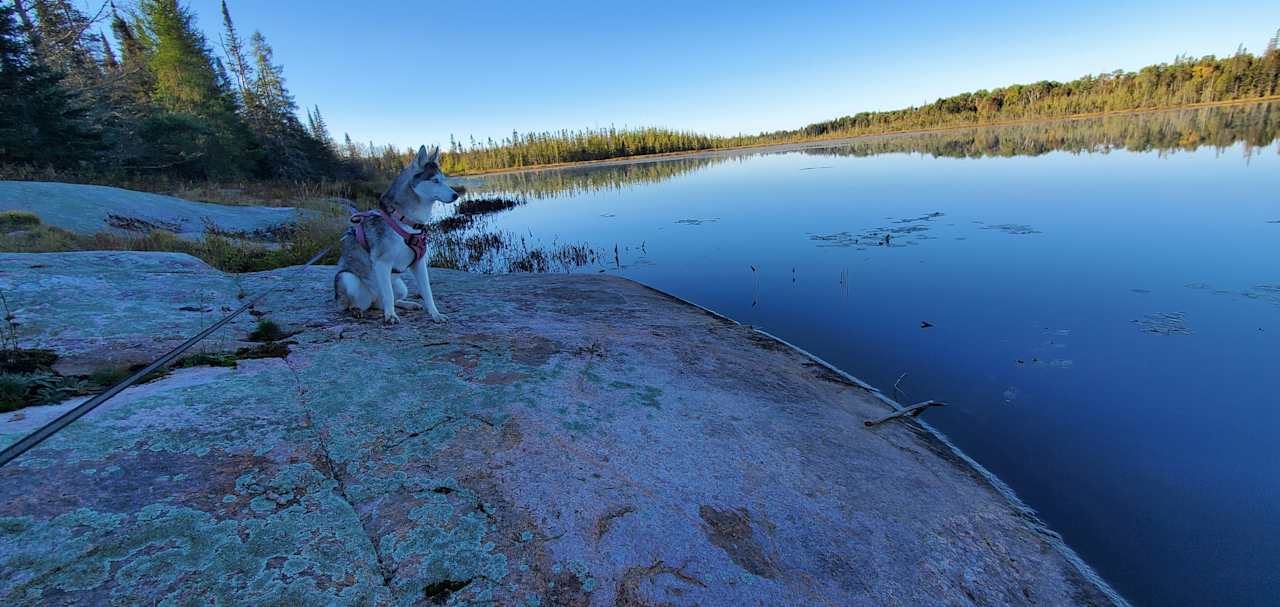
{"points": [[353, 293], [402, 295]]}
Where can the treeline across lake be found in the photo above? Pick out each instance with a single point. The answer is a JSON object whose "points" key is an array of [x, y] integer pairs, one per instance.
{"points": [[1255, 125], [1186, 81]]}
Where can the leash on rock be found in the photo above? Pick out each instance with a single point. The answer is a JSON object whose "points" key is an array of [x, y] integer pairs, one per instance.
{"points": [[29, 441]]}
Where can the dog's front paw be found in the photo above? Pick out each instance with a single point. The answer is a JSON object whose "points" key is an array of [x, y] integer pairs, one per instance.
{"points": [[390, 318], [436, 316]]}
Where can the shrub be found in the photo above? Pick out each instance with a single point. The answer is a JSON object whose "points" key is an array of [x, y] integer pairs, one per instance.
{"points": [[13, 391], [18, 220], [267, 330]]}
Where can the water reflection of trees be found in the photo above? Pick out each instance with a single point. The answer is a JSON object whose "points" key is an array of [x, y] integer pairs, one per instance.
{"points": [[1257, 126], [585, 179]]}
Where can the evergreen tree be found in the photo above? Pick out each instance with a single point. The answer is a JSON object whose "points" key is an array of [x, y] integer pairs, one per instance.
{"points": [[109, 60], [269, 85], [319, 128], [66, 46], [28, 28], [178, 59], [41, 121], [196, 133], [241, 71], [275, 120], [134, 81]]}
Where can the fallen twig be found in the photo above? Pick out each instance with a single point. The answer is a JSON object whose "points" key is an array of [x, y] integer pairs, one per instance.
{"points": [[912, 411]]}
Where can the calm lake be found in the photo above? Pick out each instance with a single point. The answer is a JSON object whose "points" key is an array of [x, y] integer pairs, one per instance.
{"points": [[1102, 300]]}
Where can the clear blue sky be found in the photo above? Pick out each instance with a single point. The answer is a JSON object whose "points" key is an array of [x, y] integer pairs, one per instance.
{"points": [[411, 72]]}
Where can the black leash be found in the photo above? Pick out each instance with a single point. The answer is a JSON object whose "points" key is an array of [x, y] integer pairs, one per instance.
{"points": [[15, 450]]}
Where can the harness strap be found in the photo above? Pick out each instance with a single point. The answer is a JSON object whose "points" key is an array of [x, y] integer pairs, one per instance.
{"points": [[416, 241]]}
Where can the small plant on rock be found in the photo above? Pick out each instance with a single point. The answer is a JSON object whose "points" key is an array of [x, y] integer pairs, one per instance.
{"points": [[267, 330]]}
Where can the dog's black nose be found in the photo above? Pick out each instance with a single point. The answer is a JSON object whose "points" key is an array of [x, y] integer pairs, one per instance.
{"points": [[455, 197]]}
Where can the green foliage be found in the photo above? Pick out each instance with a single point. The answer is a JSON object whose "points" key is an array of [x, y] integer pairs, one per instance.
{"points": [[106, 377], [18, 220], [13, 391], [1257, 125], [64, 47], [109, 376], [41, 120], [267, 330], [273, 349], [168, 105], [1184, 82], [206, 360], [18, 390], [178, 58], [574, 146], [192, 146]]}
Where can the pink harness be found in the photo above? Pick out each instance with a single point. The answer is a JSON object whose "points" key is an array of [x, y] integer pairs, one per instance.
{"points": [[416, 242]]}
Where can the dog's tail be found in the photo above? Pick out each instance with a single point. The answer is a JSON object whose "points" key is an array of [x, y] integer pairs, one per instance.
{"points": [[336, 277]]}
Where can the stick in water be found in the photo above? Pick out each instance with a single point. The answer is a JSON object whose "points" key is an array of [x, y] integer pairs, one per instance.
{"points": [[912, 411]]}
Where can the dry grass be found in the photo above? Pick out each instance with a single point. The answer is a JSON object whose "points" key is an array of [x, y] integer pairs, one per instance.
{"points": [[319, 194], [229, 254]]}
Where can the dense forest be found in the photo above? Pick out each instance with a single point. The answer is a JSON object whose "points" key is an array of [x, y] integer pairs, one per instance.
{"points": [[153, 99], [156, 100]]}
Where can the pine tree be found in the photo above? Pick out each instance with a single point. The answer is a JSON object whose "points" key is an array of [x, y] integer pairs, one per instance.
{"points": [[41, 121], [269, 85], [319, 128], [135, 82], [196, 132], [109, 60], [65, 44], [178, 58], [275, 120], [28, 28], [352, 151], [241, 70]]}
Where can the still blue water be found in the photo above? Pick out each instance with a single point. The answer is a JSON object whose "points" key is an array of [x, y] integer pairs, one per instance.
{"points": [[1105, 323]]}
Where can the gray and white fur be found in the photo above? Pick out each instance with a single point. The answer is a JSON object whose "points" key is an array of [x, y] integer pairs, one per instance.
{"points": [[365, 278]]}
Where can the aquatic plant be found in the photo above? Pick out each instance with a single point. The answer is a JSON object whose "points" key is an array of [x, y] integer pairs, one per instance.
{"points": [[18, 220]]}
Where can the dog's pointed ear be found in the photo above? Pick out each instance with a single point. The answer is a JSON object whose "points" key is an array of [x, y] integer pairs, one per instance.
{"points": [[421, 159], [435, 155]]}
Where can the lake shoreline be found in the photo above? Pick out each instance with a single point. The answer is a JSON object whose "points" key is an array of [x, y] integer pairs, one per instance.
{"points": [[839, 140]]}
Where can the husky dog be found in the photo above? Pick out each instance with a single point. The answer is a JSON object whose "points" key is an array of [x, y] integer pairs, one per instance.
{"points": [[392, 240]]}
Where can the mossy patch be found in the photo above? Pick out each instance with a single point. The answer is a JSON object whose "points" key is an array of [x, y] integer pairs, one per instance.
{"points": [[274, 349], [206, 360]]}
